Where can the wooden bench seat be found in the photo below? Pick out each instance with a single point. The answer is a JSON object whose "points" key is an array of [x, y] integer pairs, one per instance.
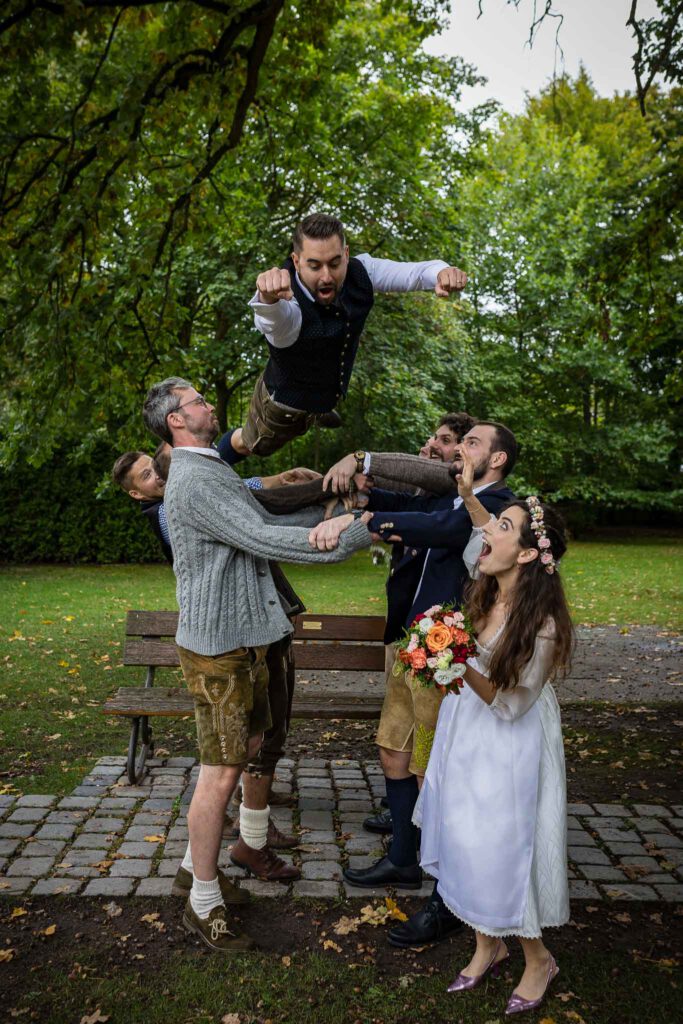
{"points": [[352, 643]]}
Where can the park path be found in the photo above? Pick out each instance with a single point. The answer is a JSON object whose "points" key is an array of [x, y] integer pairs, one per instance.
{"points": [[110, 839], [641, 665]]}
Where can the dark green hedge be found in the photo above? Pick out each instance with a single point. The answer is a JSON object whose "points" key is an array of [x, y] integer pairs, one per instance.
{"points": [[52, 514]]}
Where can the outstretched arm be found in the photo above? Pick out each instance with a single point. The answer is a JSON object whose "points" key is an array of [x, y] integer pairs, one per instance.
{"points": [[429, 275]]}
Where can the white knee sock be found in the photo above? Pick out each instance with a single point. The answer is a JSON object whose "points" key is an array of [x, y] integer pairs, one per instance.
{"points": [[187, 859], [254, 826], [204, 896]]}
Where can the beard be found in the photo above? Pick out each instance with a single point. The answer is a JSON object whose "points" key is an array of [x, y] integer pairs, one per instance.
{"points": [[479, 470]]}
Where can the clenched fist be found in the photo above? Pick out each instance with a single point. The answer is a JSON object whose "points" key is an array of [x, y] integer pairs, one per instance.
{"points": [[448, 280], [273, 285]]}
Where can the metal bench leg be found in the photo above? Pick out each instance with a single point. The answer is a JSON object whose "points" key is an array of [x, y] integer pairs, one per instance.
{"points": [[132, 746], [140, 729]]}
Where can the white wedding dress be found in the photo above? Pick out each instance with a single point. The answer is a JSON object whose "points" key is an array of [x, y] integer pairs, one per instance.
{"points": [[493, 807]]}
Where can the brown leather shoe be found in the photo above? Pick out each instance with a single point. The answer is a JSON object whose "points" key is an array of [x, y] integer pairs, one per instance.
{"points": [[278, 840], [215, 932], [263, 864], [182, 884]]}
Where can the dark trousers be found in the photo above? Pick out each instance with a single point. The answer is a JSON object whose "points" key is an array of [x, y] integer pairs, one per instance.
{"points": [[280, 664]]}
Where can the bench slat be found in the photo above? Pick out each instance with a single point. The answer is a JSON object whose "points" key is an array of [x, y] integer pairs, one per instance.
{"points": [[339, 627], [348, 657], [161, 653], [306, 627], [140, 623], [172, 702]]}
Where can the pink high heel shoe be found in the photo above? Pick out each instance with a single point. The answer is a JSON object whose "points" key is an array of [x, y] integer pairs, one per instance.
{"points": [[464, 982], [516, 1004]]}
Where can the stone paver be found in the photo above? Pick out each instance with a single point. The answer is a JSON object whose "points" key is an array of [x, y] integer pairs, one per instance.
{"points": [[93, 841], [56, 887], [109, 887]]}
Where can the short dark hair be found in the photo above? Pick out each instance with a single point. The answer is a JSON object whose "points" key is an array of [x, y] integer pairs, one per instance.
{"points": [[317, 225], [122, 467], [458, 422], [161, 460], [504, 441]]}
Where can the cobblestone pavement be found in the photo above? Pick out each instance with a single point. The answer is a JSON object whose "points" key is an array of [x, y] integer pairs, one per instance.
{"points": [[111, 839], [640, 665]]}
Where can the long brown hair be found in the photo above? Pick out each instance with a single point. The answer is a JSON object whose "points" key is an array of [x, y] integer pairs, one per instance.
{"points": [[537, 597]]}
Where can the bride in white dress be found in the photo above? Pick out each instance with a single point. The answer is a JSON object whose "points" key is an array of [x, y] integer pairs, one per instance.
{"points": [[493, 805]]}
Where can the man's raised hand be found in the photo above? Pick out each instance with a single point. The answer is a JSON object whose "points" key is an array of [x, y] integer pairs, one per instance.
{"points": [[448, 280], [273, 285], [340, 475]]}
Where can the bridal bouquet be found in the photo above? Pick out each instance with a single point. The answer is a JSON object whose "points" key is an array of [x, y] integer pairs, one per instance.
{"points": [[436, 648]]}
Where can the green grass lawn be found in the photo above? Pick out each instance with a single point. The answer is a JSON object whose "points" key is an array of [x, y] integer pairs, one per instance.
{"points": [[61, 634]]}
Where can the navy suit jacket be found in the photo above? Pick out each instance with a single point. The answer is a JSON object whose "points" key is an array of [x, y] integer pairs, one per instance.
{"points": [[435, 536]]}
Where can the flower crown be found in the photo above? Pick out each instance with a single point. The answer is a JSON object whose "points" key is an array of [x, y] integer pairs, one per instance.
{"points": [[538, 526]]}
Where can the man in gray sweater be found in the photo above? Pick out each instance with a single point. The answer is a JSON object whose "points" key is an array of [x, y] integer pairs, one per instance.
{"points": [[229, 614]]}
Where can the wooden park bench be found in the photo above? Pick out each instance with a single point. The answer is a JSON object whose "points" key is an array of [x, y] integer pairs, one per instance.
{"points": [[352, 643]]}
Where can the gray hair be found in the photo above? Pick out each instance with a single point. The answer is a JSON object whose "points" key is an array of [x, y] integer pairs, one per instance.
{"points": [[160, 401]]}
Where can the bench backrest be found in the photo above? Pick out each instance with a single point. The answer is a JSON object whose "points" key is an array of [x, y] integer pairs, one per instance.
{"points": [[341, 642]]}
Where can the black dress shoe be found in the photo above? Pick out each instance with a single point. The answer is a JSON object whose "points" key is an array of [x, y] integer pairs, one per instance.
{"points": [[332, 420], [431, 924], [380, 823], [383, 872]]}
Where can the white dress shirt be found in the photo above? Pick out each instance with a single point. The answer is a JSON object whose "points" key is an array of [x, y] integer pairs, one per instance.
{"points": [[281, 321]]}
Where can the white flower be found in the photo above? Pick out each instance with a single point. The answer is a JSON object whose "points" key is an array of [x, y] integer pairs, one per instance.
{"points": [[434, 663], [435, 608], [424, 625], [445, 659], [444, 676], [458, 670]]}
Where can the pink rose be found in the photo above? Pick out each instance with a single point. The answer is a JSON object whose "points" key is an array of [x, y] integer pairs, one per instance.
{"points": [[544, 542], [546, 558]]}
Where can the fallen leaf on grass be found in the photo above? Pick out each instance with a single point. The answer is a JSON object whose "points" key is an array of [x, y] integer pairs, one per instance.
{"points": [[96, 1017], [286, 961], [155, 839], [564, 997], [18, 912], [573, 1015], [6, 955], [50, 930], [329, 944], [231, 1018]]}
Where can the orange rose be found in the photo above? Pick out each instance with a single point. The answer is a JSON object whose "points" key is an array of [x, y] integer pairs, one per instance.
{"points": [[460, 636], [438, 638]]}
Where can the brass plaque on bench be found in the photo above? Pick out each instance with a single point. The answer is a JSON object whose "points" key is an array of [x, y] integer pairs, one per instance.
{"points": [[308, 624]]}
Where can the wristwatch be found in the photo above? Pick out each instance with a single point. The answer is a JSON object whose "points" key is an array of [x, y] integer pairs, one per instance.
{"points": [[359, 456]]}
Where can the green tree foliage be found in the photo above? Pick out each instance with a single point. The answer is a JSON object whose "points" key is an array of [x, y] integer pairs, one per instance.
{"points": [[135, 224], [574, 308]]}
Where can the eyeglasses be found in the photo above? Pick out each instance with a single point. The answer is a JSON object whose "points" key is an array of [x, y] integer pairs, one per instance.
{"points": [[199, 400]]}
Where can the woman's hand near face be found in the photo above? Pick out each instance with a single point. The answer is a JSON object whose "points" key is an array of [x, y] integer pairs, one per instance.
{"points": [[465, 478]]}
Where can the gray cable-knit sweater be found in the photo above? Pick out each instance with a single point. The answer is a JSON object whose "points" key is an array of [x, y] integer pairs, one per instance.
{"points": [[222, 540]]}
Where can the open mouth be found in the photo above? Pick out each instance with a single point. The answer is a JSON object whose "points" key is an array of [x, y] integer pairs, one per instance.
{"points": [[435, 455], [326, 291], [485, 551]]}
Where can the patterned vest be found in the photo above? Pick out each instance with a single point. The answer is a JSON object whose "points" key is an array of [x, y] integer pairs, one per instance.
{"points": [[314, 372]]}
